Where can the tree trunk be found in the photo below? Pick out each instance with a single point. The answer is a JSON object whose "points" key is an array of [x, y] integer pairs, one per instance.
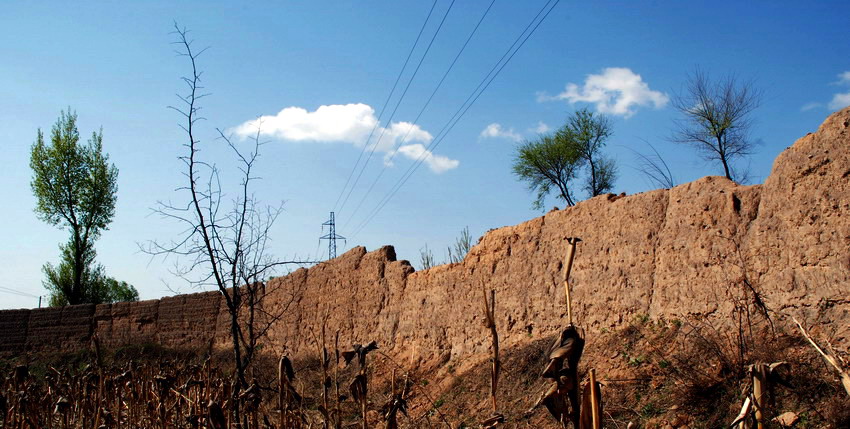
{"points": [[237, 357], [593, 186], [726, 169], [721, 151], [75, 297]]}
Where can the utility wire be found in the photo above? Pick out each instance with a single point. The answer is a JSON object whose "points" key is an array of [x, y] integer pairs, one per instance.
{"points": [[415, 121], [398, 103], [316, 257], [383, 108], [17, 292], [462, 110]]}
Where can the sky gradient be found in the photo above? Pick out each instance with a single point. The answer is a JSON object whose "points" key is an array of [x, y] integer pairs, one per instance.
{"points": [[317, 74]]}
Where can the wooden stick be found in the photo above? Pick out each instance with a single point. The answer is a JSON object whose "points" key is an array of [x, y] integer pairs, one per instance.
{"points": [[337, 413], [490, 322], [759, 378], [594, 400], [569, 266], [281, 399]]}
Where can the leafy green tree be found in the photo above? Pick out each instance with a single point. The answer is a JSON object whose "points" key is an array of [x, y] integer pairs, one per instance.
{"points": [[546, 163], [588, 133], [555, 161], [75, 187], [98, 288], [119, 291]]}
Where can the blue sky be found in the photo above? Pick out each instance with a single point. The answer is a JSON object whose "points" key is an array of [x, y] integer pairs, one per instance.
{"points": [[319, 72]]}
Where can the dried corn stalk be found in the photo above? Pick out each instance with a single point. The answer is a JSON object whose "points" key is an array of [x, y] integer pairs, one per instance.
{"points": [[359, 387], [830, 357], [490, 322], [759, 393], [288, 400], [562, 399], [591, 404], [564, 356], [397, 403]]}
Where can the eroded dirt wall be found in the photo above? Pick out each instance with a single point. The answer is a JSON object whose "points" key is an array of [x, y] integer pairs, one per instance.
{"points": [[665, 253]]}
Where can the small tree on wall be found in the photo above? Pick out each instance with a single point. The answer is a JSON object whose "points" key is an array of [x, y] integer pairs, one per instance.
{"points": [[588, 133], [553, 162], [717, 119]]}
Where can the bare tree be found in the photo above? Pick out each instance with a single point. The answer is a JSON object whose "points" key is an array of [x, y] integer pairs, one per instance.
{"points": [[221, 247], [655, 168], [717, 118]]}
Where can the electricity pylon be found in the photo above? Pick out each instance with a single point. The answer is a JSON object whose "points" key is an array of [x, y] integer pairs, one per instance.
{"points": [[331, 236]]}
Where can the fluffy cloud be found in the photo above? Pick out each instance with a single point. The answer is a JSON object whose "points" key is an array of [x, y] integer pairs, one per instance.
{"points": [[495, 130], [341, 123], [344, 123], [437, 163], [615, 91], [841, 100]]}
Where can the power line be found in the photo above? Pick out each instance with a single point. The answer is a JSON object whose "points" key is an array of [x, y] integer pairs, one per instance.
{"points": [[462, 110], [415, 121], [383, 108], [316, 253], [17, 292], [442, 135], [398, 103]]}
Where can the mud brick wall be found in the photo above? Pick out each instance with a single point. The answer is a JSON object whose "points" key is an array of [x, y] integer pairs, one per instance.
{"points": [[14, 327], [183, 321], [60, 328], [188, 320]]}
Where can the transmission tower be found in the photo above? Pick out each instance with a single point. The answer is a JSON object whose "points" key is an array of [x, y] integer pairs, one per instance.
{"points": [[331, 236]]}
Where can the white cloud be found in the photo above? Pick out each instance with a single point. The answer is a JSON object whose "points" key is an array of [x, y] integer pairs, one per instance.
{"points": [[344, 123], [809, 106], [841, 100], [616, 91], [341, 123], [541, 128], [495, 130], [437, 163]]}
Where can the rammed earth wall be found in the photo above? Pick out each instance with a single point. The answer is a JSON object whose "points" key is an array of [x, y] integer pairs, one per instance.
{"points": [[665, 253]]}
